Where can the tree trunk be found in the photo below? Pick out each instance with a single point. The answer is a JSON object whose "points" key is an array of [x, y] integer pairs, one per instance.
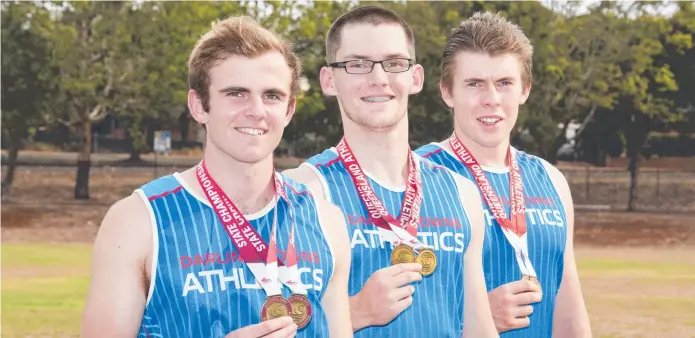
{"points": [[632, 192], [134, 155], [636, 137], [84, 161], [11, 166]]}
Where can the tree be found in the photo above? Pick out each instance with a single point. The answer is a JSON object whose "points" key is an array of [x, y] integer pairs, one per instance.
{"points": [[578, 74], [27, 77], [85, 41], [648, 90]]}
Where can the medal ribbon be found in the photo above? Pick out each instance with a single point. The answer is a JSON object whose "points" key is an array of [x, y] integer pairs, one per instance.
{"points": [[289, 272], [261, 258], [396, 232], [514, 228]]}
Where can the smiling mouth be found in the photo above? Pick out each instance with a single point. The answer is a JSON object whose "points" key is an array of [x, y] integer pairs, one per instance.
{"points": [[251, 131], [372, 99], [489, 120]]}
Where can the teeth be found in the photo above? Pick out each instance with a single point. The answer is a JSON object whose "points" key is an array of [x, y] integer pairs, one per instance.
{"points": [[489, 120], [251, 131], [376, 98]]}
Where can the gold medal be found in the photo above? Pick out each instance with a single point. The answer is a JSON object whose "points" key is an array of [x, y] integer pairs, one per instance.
{"points": [[533, 280], [428, 259], [275, 307], [402, 254], [301, 310]]}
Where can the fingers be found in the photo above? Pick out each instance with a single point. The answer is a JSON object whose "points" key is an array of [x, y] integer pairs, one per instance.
{"points": [[522, 311], [527, 298], [283, 324], [285, 332], [519, 286], [518, 323], [402, 292], [403, 304], [405, 277], [400, 268]]}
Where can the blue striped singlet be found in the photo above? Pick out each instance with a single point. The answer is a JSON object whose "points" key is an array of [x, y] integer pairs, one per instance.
{"points": [[200, 287], [546, 233], [437, 307]]}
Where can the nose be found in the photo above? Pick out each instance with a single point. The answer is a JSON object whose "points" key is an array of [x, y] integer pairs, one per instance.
{"points": [[378, 76], [255, 109], [491, 98]]}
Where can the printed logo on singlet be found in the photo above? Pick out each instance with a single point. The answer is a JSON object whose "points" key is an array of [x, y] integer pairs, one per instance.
{"points": [[439, 240], [214, 278], [539, 210]]}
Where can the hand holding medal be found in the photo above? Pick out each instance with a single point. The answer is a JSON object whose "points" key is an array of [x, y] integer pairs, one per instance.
{"points": [[259, 257], [514, 228], [402, 233]]}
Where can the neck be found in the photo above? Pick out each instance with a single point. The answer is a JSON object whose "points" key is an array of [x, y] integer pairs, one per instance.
{"points": [[492, 157], [250, 186], [381, 153]]}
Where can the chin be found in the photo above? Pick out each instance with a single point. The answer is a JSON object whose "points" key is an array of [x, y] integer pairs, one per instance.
{"points": [[379, 120], [490, 141], [249, 155]]}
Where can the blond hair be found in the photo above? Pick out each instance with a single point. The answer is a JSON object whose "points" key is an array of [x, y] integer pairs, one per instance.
{"points": [[241, 36], [490, 34]]}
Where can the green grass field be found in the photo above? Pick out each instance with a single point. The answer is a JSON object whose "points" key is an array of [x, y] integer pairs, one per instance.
{"points": [[44, 288]]}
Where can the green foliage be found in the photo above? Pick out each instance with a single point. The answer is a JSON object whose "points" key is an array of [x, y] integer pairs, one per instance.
{"points": [[28, 78], [88, 60]]}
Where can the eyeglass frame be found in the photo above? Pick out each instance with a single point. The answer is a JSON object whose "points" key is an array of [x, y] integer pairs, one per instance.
{"points": [[343, 64]]}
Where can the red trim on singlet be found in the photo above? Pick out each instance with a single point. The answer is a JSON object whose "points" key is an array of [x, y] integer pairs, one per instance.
{"points": [[305, 192], [432, 152], [327, 163], [152, 198]]}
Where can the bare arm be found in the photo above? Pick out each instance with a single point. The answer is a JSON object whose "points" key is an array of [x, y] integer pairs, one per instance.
{"points": [[570, 318], [335, 301], [120, 272], [476, 310], [308, 177]]}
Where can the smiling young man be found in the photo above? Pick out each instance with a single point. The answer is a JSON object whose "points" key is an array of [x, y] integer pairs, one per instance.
{"points": [[530, 269], [415, 229], [228, 248]]}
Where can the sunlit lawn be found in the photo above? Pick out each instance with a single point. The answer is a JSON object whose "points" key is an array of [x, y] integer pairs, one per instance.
{"points": [[44, 288]]}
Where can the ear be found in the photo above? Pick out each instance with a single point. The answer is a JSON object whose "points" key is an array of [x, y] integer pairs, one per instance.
{"points": [[446, 95], [195, 106], [326, 78], [290, 110], [418, 79], [524, 94]]}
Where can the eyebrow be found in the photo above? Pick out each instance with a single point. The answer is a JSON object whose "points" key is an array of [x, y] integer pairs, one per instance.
{"points": [[230, 89], [363, 57], [475, 79]]}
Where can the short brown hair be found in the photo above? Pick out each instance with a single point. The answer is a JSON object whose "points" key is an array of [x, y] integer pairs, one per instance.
{"points": [[241, 36], [373, 15], [490, 34]]}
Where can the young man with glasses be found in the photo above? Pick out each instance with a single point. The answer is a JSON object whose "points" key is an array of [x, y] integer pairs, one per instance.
{"points": [[415, 229]]}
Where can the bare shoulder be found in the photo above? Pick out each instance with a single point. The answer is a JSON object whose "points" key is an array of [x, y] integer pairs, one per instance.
{"points": [[555, 174], [126, 228], [333, 224], [559, 181], [307, 176], [330, 215], [467, 189]]}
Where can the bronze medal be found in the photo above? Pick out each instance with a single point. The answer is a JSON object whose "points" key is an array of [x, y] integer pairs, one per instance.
{"points": [[428, 259], [301, 310], [533, 280], [275, 307], [402, 254]]}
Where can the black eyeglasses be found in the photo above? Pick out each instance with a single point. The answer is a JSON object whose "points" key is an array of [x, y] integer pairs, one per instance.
{"points": [[397, 65]]}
